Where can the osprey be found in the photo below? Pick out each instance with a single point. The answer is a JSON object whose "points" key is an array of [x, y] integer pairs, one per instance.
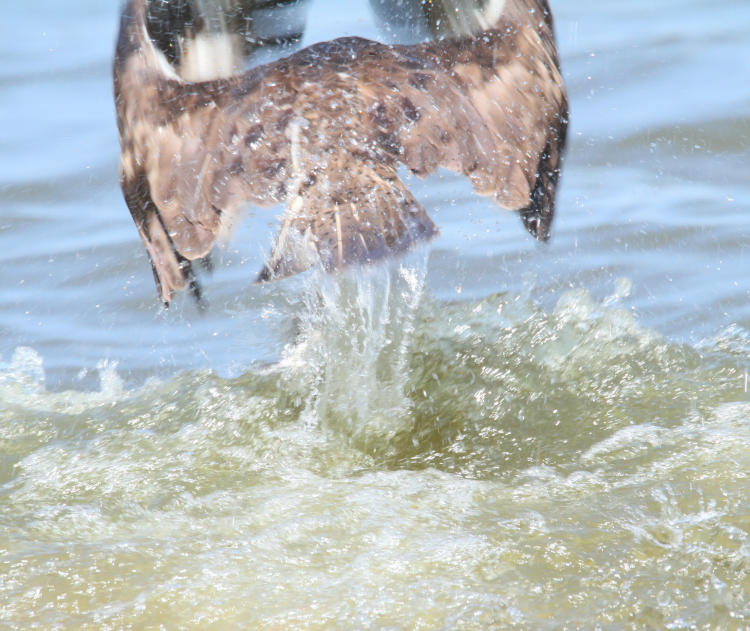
{"points": [[325, 129]]}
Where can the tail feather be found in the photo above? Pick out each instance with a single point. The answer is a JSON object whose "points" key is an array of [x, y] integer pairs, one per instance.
{"points": [[368, 217]]}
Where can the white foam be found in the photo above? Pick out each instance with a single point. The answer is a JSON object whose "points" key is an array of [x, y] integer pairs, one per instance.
{"points": [[634, 438], [23, 383]]}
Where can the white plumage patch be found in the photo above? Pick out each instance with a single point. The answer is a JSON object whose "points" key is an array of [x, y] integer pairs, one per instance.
{"points": [[491, 13], [210, 56]]}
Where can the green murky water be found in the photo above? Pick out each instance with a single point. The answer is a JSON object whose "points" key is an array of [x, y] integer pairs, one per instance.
{"points": [[408, 464]]}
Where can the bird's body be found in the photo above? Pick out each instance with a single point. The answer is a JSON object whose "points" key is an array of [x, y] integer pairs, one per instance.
{"points": [[325, 130]]}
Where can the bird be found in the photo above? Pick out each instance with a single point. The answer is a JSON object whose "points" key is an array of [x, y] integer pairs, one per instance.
{"points": [[325, 129]]}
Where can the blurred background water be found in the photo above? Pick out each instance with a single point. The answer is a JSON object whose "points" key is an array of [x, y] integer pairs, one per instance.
{"points": [[491, 433]]}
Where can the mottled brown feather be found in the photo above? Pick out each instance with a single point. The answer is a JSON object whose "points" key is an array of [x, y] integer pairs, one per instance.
{"points": [[325, 130]]}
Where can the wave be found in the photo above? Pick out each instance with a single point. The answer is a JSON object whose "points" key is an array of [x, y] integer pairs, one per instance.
{"points": [[480, 453], [478, 387]]}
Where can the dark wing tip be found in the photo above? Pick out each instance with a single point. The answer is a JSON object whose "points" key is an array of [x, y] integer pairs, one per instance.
{"points": [[189, 280], [172, 271], [537, 216], [537, 221], [265, 275]]}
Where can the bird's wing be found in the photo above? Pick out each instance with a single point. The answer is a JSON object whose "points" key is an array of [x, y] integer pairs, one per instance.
{"points": [[332, 122], [492, 107]]}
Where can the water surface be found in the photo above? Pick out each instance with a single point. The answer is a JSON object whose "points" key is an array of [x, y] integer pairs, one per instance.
{"points": [[488, 434]]}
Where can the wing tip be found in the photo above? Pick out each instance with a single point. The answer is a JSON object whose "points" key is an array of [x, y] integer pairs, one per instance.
{"points": [[166, 287], [538, 222]]}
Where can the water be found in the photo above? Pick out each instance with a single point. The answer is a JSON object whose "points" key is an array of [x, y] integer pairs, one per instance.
{"points": [[488, 434]]}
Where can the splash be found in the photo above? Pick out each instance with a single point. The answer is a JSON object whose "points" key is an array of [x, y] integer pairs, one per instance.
{"points": [[353, 347], [23, 386], [445, 463]]}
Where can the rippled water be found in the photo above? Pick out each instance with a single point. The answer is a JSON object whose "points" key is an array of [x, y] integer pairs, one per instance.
{"points": [[488, 434]]}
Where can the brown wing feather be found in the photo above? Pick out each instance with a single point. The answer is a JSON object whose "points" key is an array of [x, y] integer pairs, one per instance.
{"points": [[325, 130]]}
